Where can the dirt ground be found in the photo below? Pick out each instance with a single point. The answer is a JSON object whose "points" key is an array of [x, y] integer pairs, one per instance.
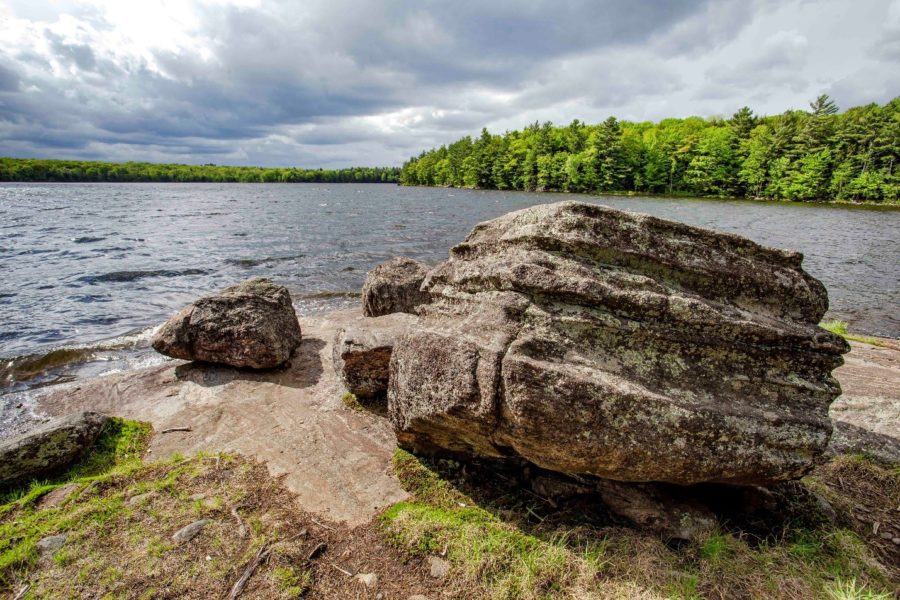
{"points": [[336, 460]]}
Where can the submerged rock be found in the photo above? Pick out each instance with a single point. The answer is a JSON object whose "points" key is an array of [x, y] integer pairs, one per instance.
{"points": [[251, 324], [50, 447], [394, 286], [592, 341], [362, 352]]}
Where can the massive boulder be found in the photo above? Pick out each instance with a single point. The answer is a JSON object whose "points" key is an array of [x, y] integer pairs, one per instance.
{"points": [[362, 352], [592, 341], [251, 324], [394, 286], [49, 448]]}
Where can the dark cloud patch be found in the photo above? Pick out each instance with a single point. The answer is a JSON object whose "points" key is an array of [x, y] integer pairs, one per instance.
{"points": [[9, 79], [340, 82], [79, 54]]}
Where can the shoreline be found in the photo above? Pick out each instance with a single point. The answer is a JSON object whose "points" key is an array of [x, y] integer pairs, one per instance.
{"points": [[890, 206], [334, 458]]}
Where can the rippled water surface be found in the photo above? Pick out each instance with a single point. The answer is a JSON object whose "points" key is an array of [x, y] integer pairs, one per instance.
{"points": [[82, 264]]}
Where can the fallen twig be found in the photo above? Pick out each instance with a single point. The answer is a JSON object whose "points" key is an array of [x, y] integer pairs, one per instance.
{"points": [[261, 555], [22, 592], [174, 429], [322, 525], [316, 551], [347, 573]]}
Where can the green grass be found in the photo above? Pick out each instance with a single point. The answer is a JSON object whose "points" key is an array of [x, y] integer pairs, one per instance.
{"points": [[840, 328], [496, 554], [118, 548], [117, 452]]}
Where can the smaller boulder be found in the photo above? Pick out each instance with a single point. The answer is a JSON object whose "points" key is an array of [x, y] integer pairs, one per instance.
{"points": [[248, 325], [362, 352], [49, 448], [394, 286]]}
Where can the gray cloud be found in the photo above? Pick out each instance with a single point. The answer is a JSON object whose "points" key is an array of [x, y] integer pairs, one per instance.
{"points": [[340, 82]]}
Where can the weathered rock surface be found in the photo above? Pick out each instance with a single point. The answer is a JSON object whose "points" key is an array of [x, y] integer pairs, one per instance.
{"points": [[362, 352], [593, 341], [394, 286], [48, 448], [251, 324]]}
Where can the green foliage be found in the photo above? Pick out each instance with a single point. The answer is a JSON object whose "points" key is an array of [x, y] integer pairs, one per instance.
{"points": [[799, 155], [29, 169]]}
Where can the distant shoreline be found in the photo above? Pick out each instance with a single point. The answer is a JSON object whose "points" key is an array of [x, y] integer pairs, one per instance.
{"points": [[867, 204], [40, 170]]}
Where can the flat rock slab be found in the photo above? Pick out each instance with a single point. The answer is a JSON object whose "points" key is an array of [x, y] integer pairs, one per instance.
{"points": [[866, 416], [335, 459]]}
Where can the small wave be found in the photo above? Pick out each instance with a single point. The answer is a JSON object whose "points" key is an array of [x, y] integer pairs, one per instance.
{"points": [[31, 366], [122, 276], [87, 239], [258, 262]]}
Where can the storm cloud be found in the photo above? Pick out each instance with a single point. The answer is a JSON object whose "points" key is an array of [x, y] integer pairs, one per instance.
{"points": [[350, 82]]}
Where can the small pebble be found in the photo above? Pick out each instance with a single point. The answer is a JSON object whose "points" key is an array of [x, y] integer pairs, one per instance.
{"points": [[134, 500], [369, 580], [439, 567], [189, 532], [51, 544]]}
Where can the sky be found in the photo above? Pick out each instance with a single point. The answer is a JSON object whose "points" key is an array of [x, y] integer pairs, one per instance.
{"points": [[335, 83]]}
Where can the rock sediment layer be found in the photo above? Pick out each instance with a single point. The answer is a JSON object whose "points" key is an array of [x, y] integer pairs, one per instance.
{"points": [[593, 341]]}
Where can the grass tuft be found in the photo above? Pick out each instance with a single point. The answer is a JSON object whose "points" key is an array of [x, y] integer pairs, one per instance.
{"points": [[840, 328], [352, 402]]}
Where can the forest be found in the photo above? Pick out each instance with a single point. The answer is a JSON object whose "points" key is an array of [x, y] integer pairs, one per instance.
{"points": [[27, 169], [815, 155]]}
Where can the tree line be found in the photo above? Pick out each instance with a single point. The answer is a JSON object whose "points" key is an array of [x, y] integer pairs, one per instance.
{"points": [[815, 155], [28, 169]]}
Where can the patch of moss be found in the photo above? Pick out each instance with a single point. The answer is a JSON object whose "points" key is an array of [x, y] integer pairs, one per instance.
{"points": [[291, 582], [350, 401]]}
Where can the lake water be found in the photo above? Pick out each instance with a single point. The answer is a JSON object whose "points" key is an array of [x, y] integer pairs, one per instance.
{"points": [[86, 269]]}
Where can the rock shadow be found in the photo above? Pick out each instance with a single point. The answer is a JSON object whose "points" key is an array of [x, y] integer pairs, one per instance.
{"points": [[304, 370], [543, 503]]}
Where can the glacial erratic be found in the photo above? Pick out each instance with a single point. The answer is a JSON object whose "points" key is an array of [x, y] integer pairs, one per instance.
{"points": [[251, 324], [592, 341]]}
